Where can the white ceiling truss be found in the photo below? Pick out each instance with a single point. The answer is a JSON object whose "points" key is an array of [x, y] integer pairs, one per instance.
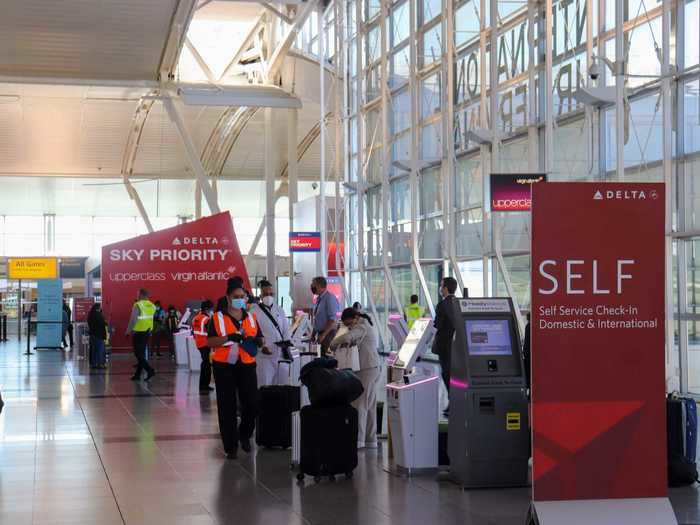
{"points": [[134, 50]]}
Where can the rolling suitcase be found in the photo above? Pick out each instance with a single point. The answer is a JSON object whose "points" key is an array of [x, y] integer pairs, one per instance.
{"points": [[274, 425], [328, 442], [682, 427]]}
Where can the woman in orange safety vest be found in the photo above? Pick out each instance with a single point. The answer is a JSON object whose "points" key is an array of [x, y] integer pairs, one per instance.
{"points": [[234, 339]]}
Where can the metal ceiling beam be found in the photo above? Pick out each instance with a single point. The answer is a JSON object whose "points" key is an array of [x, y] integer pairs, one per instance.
{"points": [[114, 177], [191, 151], [247, 95], [179, 25], [279, 54], [70, 81], [129, 157], [201, 62], [247, 41]]}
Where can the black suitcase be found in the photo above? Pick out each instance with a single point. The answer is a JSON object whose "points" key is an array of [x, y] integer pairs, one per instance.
{"points": [[328, 442], [681, 428], [274, 425]]}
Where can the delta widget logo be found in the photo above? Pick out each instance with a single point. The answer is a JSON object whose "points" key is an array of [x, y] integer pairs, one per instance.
{"points": [[625, 195]]}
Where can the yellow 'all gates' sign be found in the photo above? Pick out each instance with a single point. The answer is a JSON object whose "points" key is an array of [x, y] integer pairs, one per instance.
{"points": [[32, 268]]}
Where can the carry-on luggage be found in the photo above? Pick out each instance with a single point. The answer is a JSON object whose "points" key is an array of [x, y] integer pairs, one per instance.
{"points": [[328, 442], [274, 425], [682, 431]]}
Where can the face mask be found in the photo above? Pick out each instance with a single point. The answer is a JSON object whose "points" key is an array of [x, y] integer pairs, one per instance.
{"points": [[238, 303], [268, 300], [314, 290]]}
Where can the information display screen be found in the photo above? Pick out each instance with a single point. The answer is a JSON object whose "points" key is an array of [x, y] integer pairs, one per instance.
{"points": [[488, 337]]}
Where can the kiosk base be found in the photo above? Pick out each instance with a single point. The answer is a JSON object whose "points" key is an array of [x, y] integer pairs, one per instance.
{"points": [[643, 511]]}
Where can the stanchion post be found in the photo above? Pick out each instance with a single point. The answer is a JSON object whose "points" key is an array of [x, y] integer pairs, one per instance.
{"points": [[29, 333]]}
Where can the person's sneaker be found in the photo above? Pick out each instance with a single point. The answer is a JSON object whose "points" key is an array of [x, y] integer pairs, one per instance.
{"points": [[371, 444], [360, 445], [135, 378], [245, 445], [150, 375]]}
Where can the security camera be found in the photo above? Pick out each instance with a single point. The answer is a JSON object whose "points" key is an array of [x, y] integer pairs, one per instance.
{"points": [[594, 71], [314, 186]]}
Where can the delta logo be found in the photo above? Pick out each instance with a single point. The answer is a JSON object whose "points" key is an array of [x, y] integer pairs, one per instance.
{"points": [[195, 241], [624, 195]]}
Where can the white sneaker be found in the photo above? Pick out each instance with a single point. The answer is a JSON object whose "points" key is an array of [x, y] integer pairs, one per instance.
{"points": [[360, 445], [371, 444]]}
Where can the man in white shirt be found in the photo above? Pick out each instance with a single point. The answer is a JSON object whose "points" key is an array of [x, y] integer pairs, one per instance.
{"points": [[275, 328]]}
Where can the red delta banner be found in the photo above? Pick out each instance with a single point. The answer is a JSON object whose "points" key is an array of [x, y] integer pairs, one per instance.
{"points": [[191, 261], [598, 370]]}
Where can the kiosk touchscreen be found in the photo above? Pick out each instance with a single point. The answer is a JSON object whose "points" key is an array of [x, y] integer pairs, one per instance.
{"points": [[488, 437], [412, 400]]}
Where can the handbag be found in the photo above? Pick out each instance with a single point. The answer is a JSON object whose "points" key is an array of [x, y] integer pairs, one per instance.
{"points": [[348, 358]]}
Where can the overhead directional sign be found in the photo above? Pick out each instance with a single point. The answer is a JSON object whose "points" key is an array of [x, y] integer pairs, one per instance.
{"points": [[32, 268]]}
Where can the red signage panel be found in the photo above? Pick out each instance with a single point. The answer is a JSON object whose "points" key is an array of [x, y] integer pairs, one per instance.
{"points": [[191, 261], [598, 370], [81, 308], [304, 242]]}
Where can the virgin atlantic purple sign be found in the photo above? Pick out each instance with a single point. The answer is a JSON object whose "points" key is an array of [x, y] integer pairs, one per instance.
{"points": [[513, 192]]}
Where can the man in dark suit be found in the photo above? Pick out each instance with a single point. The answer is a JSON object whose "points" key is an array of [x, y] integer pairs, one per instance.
{"points": [[445, 329]]}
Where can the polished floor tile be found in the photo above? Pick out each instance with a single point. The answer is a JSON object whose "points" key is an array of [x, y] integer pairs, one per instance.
{"points": [[84, 447]]}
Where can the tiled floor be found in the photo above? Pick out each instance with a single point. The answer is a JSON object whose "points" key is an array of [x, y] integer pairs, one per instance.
{"points": [[81, 447]]}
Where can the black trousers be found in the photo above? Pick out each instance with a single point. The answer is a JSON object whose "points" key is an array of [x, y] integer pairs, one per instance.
{"points": [[140, 342], [231, 380], [445, 368], [157, 340], [205, 371]]}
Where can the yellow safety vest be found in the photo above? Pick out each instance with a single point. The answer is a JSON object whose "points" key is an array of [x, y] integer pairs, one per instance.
{"points": [[413, 313], [144, 322]]}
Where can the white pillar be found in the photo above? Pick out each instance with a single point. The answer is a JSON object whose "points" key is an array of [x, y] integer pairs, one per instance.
{"points": [[292, 176], [270, 165], [322, 183]]}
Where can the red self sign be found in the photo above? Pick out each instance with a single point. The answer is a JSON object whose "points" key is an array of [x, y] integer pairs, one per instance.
{"points": [[598, 366]]}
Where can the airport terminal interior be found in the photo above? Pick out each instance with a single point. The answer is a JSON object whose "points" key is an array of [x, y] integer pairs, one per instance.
{"points": [[324, 219]]}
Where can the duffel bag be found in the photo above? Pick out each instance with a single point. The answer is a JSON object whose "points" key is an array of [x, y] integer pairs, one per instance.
{"points": [[331, 387]]}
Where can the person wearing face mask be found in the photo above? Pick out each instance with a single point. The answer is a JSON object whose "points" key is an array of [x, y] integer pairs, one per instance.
{"points": [[445, 330], [199, 331], [361, 334], [275, 329], [326, 313], [234, 337]]}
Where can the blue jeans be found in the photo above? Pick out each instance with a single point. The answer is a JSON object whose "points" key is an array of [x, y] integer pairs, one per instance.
{"points": [[97, 351]]}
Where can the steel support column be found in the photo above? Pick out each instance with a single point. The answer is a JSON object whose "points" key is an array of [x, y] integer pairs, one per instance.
{"points": [[667, 137], [292, 177], [448, 140], [386, 161], [484, 152], [619, 90], [270, 165], [323, 270]]}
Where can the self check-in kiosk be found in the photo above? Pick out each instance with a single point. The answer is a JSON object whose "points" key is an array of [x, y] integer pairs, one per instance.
{"points": [[488, 436], [412, 399]]}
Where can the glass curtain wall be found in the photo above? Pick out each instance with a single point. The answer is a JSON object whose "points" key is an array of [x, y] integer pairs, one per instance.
{"points": [[427, 79]]}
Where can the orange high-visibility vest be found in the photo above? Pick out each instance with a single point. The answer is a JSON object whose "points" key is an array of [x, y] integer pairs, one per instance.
{"points": [[199, 329], [224, 326]]}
